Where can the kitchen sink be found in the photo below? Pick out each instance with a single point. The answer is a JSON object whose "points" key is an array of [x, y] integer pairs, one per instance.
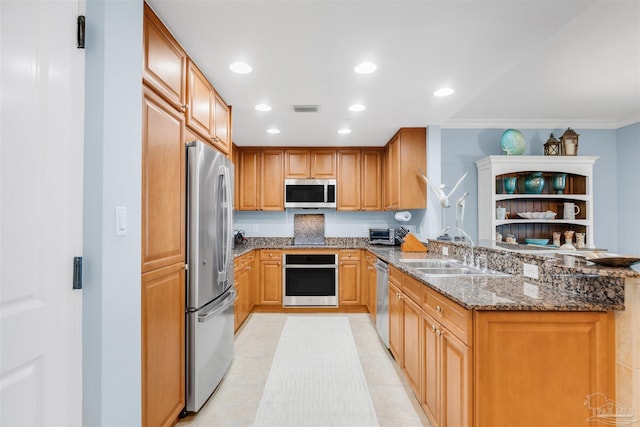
{"points": [[431, 263]]}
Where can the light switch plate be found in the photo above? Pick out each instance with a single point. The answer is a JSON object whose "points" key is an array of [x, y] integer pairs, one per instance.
{"points": [[445, 251], [121, 221], [530, 271]]}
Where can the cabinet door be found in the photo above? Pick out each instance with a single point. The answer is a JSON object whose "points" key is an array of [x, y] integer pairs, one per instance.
{"points": [[371, 181], [392, 181], [164, 62], [271, 183], [411, 342], [372, 274], [221, 124], [249, 171], [271, 283], [323, 164], [349, 275], [297, 164], [555, 359], [395, 323], [412, 152], [455, 381], [163, 183], [430, 399], [163, 344], [200, 96], [348, 197]]}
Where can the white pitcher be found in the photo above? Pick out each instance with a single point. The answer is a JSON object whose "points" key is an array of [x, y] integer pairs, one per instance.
{"points": [[571, 210]]}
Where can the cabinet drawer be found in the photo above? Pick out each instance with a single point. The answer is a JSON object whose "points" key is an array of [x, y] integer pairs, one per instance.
{"points": [[349, 254], [269, 254], [395, 276], [371, 257], [454, 317], [412, 288]]}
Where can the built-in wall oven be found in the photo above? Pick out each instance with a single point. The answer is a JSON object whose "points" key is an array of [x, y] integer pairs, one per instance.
{"points": [[310, 280]]}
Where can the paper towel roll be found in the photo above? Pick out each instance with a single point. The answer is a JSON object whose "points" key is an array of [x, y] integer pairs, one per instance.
{"points": [[403, 216]]}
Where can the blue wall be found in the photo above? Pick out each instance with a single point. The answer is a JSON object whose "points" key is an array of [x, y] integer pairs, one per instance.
{"points": [[628, 168], [616, 187], [462, 147]]}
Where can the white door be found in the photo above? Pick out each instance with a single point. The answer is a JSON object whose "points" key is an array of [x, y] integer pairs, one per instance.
{"points": [[41, 152]]}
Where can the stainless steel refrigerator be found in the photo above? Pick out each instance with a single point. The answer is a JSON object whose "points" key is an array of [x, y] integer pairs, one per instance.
{"points": [[210, 294]]}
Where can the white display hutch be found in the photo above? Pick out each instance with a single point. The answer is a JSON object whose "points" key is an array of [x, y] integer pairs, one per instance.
{"points": [[491, 194]]}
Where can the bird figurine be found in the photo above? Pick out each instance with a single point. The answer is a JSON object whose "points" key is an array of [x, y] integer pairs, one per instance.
{"points": [[443, 197]]}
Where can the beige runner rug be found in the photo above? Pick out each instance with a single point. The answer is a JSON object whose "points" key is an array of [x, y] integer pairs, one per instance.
{"points": [[316, 379]]}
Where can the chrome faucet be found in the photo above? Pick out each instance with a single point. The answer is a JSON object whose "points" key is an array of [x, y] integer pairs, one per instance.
{"points": [[466, 235]]}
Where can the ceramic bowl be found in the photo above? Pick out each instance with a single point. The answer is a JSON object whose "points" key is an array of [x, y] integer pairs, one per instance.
{"points": [[539, 242]]}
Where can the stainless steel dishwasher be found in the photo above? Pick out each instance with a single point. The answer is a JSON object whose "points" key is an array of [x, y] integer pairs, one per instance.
{"points": [[382, 301]]}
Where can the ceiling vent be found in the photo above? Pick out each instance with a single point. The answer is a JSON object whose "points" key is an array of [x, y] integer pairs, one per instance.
{"points": [[306, 108]]}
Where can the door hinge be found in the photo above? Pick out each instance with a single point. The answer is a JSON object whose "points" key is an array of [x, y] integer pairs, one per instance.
{"points": [[80, 33], [77, 272]]}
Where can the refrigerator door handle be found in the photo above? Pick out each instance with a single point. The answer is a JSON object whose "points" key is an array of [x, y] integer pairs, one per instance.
{"points": [[225, 222], [223, 306]]}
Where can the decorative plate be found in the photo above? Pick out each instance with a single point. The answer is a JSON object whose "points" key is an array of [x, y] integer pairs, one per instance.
{"points": [[612, 260], [537, 215]]}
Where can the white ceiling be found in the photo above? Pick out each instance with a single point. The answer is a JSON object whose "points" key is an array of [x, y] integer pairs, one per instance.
{"points": [[512, 63]]}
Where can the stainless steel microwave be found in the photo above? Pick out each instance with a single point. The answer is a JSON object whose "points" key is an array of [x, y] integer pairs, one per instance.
{"points": [[310, 193]]}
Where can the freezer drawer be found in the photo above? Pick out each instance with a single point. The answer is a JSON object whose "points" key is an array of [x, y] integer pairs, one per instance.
{"points": [[209, 349]]}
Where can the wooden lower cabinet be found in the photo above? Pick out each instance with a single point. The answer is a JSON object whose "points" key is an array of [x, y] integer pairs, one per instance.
{"points": [[538, 368], [371, 281], [349, 277], [270, 278], [446, 395], [163, 349], [242, 279], [395, 322], [411, 343]]}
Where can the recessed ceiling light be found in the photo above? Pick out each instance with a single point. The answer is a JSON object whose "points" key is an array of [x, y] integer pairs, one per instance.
{"points": [[344, 131], [240, 67], [365, 68], [273, 131], [263, 107], [357, 107], [445, 91]]}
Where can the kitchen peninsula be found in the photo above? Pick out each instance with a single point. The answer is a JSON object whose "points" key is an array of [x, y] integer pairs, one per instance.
{"points": [[499, 350]]}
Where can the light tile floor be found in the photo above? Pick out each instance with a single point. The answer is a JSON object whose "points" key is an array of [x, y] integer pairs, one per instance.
{"points": [[236, 400]]}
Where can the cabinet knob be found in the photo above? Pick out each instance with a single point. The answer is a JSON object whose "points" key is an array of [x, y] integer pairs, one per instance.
{"points": [[438, 332], [438, 309], [433, 328], [184, 107]]}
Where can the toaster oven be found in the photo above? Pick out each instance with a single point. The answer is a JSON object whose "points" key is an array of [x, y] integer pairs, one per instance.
{"points": [[383, 236]]}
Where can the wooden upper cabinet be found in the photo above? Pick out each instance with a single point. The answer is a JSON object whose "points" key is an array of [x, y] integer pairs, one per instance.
{"points": [[297, 164], [200, 97], [248, 172], [221, 124], [164, 61], [163, 183], [323, 164], [371, 180], [406, 152], [348, 197], [304, 164], [359, 180], [271, 182]]}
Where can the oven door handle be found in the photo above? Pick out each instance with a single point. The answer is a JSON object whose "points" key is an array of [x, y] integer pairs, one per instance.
{"points": [[310, 265]]}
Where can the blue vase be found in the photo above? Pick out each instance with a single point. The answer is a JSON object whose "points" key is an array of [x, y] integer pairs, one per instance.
{"points": [[559, 182], [534, 183], [509, 184]]}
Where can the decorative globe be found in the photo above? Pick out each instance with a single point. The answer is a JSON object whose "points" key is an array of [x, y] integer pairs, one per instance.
{"points": [[513, 142]]}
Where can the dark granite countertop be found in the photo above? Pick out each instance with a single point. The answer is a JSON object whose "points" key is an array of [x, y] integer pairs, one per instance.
{"points": [[561, 287], [505, 293]]}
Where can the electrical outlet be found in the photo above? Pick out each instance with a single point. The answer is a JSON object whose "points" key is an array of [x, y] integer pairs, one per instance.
{"points": [[445, 251], [530, 271]]}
